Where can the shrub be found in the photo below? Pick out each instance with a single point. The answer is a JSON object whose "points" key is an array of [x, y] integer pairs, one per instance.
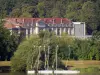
{"points": [[88, 70], [18, 64], [92, 69]]}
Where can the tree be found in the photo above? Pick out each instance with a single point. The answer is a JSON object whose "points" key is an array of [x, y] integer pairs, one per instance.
{"points": [[73, 11], [23, 56], [82, 48], [4, 38], [28, 52], [41, 9], [8, 43], [96, 35], [13, 43], [15, 13], [90, 18], [98, 14], [58, 9], [65, 42]]}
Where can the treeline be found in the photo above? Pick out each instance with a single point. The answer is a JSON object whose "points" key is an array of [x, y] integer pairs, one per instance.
{"points": [[77, 10], [8, 43], [27, 54]]}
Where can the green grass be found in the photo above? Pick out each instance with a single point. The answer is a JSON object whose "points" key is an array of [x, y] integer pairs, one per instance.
{"points": [[82, 63], [89, 70], [5, 63], [74, 64]]}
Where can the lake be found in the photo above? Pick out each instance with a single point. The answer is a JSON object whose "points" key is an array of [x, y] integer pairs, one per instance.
{"points": [[32, 74]]}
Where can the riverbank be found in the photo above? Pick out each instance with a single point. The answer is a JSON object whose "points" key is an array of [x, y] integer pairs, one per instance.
{"points": [[5, 63], [82, 64], [5, 66]]}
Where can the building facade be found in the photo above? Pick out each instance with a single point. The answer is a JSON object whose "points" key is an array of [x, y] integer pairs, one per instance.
{"points": [[29, 26]]}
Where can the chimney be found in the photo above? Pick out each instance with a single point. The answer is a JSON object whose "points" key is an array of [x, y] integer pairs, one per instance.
{"points": [[16, 20], [61, 21], [23, 20], [53, 21], [32, 21]]}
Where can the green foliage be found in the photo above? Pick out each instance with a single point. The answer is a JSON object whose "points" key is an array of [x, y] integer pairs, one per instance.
{"points": [[4, 38], [26, 10], [15, 12], [68, 48], [88, 70], [41, 9], [90, 18], [65, 42], [25, 53], [76, 10], [86, 49], [29, 50], [82, 49], [96, 35], [18, 64], [73, 11], [8, 43], [93, 69]]}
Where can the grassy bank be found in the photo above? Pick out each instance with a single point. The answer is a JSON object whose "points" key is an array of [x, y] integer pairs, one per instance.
{"points": [[74, 64], [5, 63], [89, 70], [5, 66], [84, 65]]}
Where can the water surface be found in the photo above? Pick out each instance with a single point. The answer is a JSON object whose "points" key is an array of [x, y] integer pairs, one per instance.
{"points": [[17, 73]]}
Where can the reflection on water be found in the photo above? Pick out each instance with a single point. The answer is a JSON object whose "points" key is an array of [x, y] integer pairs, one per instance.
{"points": [[4, 74], [90, 74], [17, 73]]}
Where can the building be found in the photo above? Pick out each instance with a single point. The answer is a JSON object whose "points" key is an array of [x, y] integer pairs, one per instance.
{"points": [[29, 26]]}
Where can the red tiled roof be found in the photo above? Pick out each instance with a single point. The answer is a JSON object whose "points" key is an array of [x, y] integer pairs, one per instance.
{"points": [[9, 26], [22, 21]]}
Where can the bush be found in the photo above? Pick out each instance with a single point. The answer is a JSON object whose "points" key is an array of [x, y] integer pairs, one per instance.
{"points": [[93, 69], [22, 58], [18, 64], [26, 56], [88, 70]]}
